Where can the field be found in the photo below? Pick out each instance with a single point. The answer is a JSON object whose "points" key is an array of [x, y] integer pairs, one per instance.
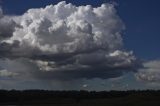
{"points": [[79, 98]]}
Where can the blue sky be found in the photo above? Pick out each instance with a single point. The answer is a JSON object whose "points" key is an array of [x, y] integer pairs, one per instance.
{"points": [[141, 35]]}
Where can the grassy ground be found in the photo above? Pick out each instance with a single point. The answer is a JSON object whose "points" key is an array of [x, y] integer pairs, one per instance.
{"points": [[79, 98]]}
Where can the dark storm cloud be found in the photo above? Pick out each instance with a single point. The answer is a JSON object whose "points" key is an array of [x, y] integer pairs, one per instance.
{"points": [[7, 26], [88, 73]]}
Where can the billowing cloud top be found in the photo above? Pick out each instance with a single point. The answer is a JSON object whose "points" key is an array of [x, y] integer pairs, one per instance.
{"points": [[64, 41]]}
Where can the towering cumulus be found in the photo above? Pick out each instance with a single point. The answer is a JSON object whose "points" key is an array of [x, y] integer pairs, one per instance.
{"points": [[64, 42]]}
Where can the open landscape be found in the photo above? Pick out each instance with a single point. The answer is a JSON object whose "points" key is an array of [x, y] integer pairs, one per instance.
{"points": [[79, 98], [79, 52]]}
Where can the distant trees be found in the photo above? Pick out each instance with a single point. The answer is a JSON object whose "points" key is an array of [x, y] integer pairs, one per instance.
{"points": [[45, 96]]}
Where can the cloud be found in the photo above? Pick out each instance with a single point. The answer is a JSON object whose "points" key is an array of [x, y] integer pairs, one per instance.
{"points": [[150, 73], [7, 26], [65, 41], [5, 73], [85, 86], [1, 12], [21, 69]]}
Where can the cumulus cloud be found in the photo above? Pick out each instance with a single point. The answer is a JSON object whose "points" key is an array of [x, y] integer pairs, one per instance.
{"points": [[65, 41], [6, 73], [19, 69], [85, 86], [7, 26], [150, 73]]}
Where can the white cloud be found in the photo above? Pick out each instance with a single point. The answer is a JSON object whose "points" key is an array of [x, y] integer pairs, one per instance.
{"points": [[150, 73], [6, 73], [65, 28], [44, 65], [65, 41], [85, 86]]}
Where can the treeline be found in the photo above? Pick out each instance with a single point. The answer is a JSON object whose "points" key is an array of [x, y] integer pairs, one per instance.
{"points": [[46, 96]]}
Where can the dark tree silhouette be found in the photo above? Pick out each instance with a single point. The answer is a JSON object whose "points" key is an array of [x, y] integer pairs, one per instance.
{"points": [[112, 98]]}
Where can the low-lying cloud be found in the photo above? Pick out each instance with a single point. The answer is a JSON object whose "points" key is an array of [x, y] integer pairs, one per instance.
{"points": [[150, 72]]}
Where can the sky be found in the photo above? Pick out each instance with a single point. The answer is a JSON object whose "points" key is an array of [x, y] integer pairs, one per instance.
{"points": [[87, 44]]}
